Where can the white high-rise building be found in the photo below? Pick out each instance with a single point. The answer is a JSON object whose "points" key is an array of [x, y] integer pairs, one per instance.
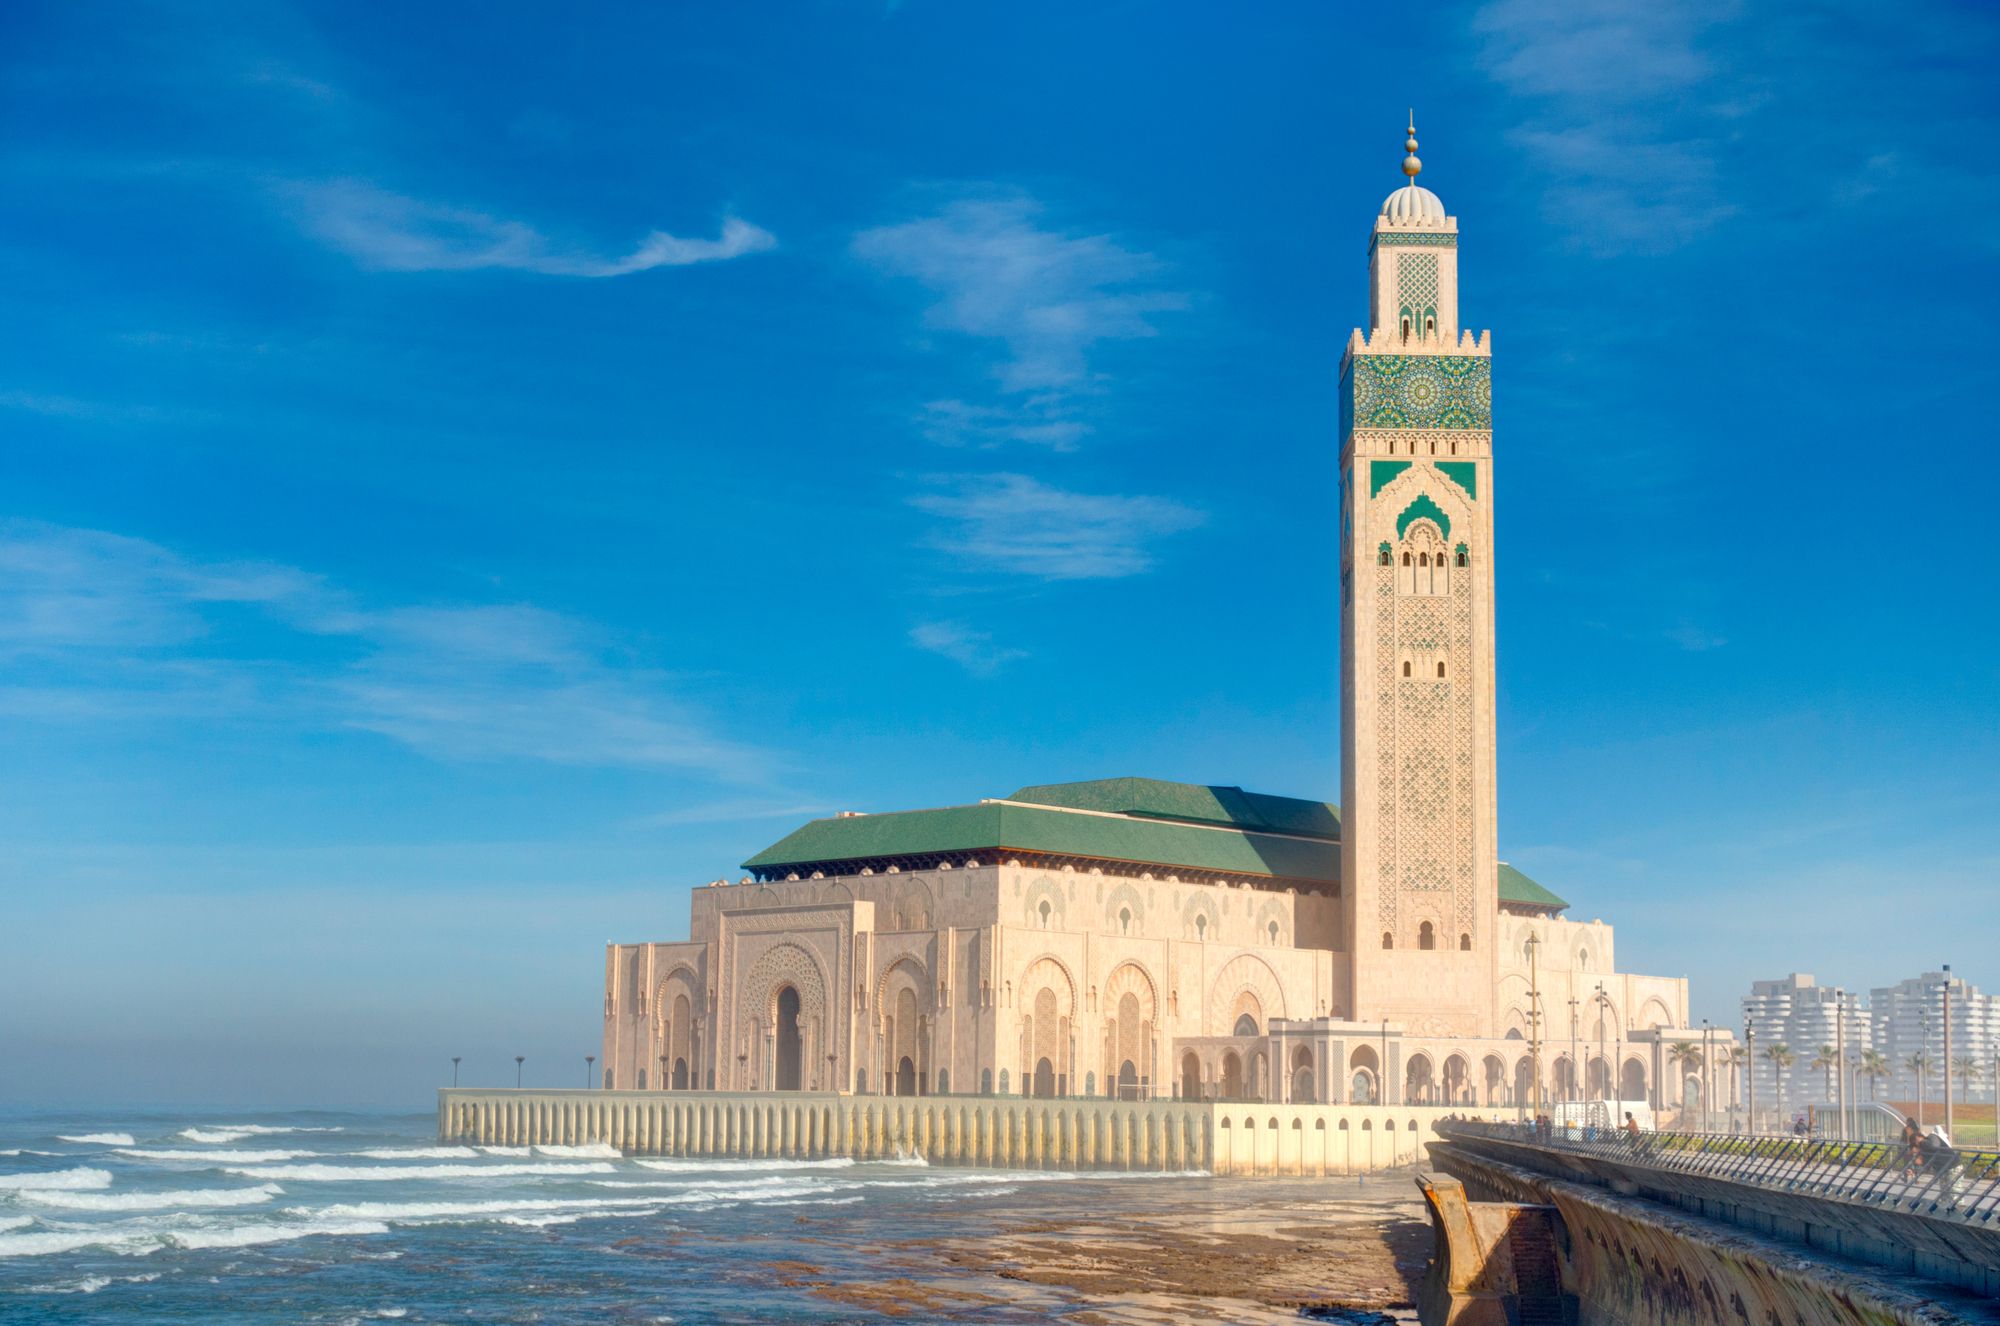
{"points": [[1909, 1019], [1806, 1018]]}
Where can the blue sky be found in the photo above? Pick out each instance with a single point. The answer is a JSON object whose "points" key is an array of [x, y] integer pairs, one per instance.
{"points": [[468, 473]]}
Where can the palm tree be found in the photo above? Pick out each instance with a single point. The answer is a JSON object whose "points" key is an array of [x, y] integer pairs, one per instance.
{"points": [[1918, 1063], [1968, 1072], [1779, 1055], [1874, 1067], [1685, 1056], [1826, 1061], [1735, 1057]]}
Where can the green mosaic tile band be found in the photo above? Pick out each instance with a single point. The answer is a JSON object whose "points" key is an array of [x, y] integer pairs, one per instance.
{"points": [[1381, 473], [1417, 391], [1424, 238]]}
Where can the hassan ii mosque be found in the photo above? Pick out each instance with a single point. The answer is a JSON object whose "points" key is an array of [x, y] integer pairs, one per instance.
{"points": [[1139, 939]]}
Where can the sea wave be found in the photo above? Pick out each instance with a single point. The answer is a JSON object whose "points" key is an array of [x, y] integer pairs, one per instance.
{"points": [[410, 1153], [81, 1177], [92, 1283], [731, 1166], [504, 1150], [155, 1201], [97, 1139], [588, 1151], [14, 1222], [225, 1133], [239, 1157], [384, 1173], [455, 1210], [244, 1236]]}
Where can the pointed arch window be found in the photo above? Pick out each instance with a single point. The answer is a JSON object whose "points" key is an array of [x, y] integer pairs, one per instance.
{"points": [[1388, 940], [1427, 936]]}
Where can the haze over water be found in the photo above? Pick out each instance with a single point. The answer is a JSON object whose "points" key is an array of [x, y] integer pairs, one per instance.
{"points": [[350, 1218]]}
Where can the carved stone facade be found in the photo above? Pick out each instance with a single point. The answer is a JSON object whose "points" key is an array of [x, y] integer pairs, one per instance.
{"points": [[1137, 939]]}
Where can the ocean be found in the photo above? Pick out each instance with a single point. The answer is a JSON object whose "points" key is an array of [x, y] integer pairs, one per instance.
{"points": [[354, 1218]]}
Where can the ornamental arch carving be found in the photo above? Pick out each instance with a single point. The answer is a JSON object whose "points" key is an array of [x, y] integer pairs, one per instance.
{"points": [[1043, 904], [782, 965], [1244, 973]]}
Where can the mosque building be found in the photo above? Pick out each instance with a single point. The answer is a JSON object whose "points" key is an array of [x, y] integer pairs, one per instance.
{"points": [[1139, 939]]}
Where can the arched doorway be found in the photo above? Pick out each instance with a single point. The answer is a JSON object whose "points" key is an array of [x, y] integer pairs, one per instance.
{"points": [[1363, 1082], [1633, 1087], [1364, 1088], [906, 1077], [1418, 1088], [788, 1039], [1190, 1076], [1232, 1076], [1246, 1025], [1044, 1081], [1128, 1081], [680, 1075]]}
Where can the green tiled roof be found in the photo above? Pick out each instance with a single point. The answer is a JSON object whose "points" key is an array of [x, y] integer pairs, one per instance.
{"points": [[1192, 802], [996, 827], [1518, 888]]}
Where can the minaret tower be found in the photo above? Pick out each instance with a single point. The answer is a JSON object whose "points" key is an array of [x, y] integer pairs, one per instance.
{"points": [[1418, 869]]}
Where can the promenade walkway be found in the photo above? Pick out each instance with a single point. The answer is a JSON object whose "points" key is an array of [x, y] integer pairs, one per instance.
{"points": [[1963, 1186]]}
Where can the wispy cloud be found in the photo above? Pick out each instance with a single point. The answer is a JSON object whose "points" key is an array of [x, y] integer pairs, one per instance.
{"points": [[1016, 524], [973, 650], [388, 231], [105, 626], [1625, 120], [1047, 296]]}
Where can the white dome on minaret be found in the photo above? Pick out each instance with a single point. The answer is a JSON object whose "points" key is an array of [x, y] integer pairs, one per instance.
{"points": [[1413, 204]]}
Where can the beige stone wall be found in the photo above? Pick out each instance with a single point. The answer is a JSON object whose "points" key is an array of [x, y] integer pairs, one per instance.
{"points": [[986, 1132]]}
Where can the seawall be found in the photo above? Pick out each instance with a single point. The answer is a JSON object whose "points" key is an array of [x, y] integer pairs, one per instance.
{"points": [[1631, 1261], [1001, 1132]]}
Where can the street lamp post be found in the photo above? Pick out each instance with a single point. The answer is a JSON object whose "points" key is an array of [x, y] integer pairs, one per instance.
{"points": [[1534, 947], [589, 1070], [1570, 1087], [519, 1059], [1947, 1049], [829, 1073], [1750, 1058], [1382, 1078], [1603, 1007], [1707, 1077], [454, 1068]]}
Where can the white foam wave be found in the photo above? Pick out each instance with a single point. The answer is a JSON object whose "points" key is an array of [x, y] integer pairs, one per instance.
{"points": [[383, 1173], [244, 1236], [239, 1157], [43, 1243], [732, 1166], [97, 1139], [462, 1210], [588, 1151], [504, 1150], [91, 1284], [225, 1133], [411, 1153], [81, 1177], [155, 1201], [14, 1222]]}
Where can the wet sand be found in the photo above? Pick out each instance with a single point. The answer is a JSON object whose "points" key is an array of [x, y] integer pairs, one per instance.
{"points": [[1238, 1251]]}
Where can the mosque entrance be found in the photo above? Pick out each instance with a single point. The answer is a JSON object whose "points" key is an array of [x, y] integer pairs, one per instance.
{"points": [[680, 1075], [1232, 1077], [906, 1077], [1044, 1083], [1128, 1081], [788, 1039]]}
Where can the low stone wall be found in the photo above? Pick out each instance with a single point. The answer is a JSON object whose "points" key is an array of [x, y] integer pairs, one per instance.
{"points": [[1001, 1132], [1630, 1261]]}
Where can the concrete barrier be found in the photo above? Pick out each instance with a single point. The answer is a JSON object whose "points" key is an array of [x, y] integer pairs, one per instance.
{"points": [[1633, 1261], [998, 1132]]}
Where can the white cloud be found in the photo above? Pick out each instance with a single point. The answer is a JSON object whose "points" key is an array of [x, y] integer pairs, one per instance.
{"points": [[391, 232], [1623, 126], [1013, 523], [1048, 297], [104, 626], [972, 650], [1038, 421]]}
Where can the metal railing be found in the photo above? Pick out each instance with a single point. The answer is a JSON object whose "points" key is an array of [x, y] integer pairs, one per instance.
{"points": [[1955, 1184]]}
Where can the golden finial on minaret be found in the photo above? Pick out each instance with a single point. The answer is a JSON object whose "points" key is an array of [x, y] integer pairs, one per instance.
{"points": [[1411, 166]]}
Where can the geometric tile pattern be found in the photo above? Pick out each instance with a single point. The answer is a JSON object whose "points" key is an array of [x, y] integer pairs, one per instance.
{"points": [[1453, 392]]}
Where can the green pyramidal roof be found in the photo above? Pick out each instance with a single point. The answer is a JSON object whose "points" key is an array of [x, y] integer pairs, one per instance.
{"points": [[1183, 826], [1516, 887], [1192, 802]]}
